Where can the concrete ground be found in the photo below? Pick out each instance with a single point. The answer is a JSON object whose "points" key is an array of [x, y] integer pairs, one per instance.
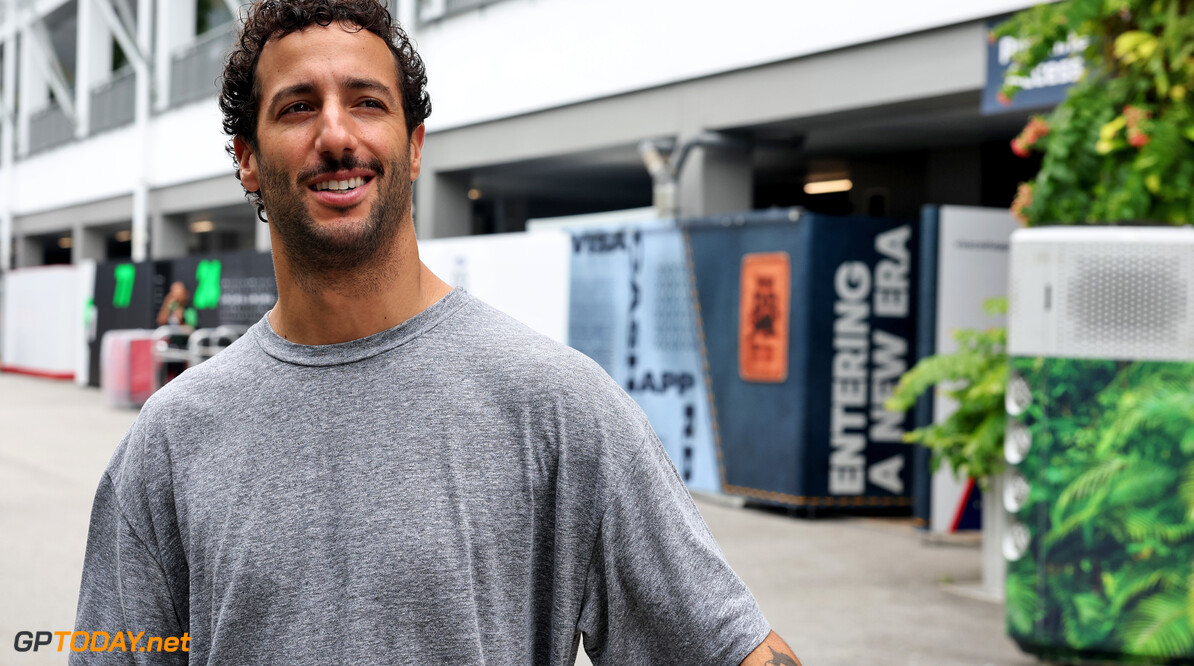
{"points": [[842, 592]]}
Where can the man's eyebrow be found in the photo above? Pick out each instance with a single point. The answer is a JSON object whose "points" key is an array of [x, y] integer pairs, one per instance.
{"points": [[291, 91], [372, 85], [353, 83]]}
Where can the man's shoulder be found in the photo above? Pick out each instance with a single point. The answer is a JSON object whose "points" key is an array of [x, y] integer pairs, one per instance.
{"points": [[216, 380], [537, 375], [507, 348]]}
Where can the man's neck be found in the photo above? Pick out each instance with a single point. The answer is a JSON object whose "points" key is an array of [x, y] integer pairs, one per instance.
{"points": [[322, 310]]}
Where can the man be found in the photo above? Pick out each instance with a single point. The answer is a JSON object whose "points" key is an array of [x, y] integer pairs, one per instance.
{"points": [[386, 470]]}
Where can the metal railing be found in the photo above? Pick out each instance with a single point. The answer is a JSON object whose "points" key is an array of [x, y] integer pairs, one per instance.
{"points": [[196, 70], [49, 127], [113, 103]]}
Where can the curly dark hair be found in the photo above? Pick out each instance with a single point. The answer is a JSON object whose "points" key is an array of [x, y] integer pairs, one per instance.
{"points": [[240, 93]]}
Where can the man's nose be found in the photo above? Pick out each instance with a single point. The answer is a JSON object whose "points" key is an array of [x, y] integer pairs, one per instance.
{"points": [[337, 131]]}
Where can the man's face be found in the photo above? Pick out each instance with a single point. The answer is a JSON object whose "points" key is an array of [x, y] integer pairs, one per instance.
{"points": [[333, 160]]}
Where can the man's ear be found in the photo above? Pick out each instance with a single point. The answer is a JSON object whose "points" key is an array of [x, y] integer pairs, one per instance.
{"points": [[416, 151], [247, 160]]}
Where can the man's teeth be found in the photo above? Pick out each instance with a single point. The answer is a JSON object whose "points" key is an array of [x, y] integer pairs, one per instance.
{"points": [[340, 185]]}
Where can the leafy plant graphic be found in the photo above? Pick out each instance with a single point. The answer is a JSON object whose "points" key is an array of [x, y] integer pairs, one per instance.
{"points": [[1111, 509]]}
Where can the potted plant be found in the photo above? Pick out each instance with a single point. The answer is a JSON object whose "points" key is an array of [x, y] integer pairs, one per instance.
{"points": [[970, 439]]}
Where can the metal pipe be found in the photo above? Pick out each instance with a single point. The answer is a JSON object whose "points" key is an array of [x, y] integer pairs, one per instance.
{"points": [[665, 171]]}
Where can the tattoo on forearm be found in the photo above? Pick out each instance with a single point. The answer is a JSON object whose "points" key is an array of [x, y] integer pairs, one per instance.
{"points": [[780, 659]]}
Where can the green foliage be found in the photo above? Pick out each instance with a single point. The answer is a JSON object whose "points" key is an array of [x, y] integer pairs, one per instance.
{"points": [[1120, 148], [971, 439], [1111, 509]]}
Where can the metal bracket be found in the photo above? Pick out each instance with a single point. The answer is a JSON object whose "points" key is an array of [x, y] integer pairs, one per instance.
{"points": [[52, 68], [126, 15], [121, 32]]}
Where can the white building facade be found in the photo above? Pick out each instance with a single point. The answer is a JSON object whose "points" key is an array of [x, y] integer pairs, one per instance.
{"points": [[111, 144]]}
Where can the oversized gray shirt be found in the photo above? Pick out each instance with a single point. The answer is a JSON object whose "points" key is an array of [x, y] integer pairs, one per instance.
{"points": [[455, 490]]}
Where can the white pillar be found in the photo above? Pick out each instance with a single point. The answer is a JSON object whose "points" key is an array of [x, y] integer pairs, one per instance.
{"points": [[87, 244], [93, 62], [28, 252], [175, 29], [144, 39], [442, 206], [161, 54], [84, 36], [168, 236], [261, 237], [715, 180], [406, 13], [7, 129], [35, 91]]}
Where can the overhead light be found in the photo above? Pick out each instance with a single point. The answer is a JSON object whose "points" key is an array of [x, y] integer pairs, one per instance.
{"points": [[124, 236], [65, 242], [202, 226], [474, 194], [827, 186]]}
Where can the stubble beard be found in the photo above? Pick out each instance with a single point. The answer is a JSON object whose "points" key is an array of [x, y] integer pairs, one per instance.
{"points": [[347, 258]]}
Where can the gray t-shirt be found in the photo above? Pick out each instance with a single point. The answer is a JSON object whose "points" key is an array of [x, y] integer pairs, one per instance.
{"points": [[455, 490]]}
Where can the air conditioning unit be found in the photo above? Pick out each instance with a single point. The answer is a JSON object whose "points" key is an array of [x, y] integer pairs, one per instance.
{"points": [[1100, 442]]}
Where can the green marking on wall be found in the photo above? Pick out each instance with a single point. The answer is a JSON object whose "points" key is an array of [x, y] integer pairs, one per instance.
{"points": [[125, 274], [207, 291]]}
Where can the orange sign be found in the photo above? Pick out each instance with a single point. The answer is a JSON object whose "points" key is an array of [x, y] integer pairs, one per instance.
{"points": [[764, 306]]}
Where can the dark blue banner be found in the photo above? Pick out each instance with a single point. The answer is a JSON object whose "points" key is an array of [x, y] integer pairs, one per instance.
{"points": [[1044, 87], [821, 436]]}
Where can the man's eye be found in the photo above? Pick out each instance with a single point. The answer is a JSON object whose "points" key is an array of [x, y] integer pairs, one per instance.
{"points": [[297, 107], [373, 103]]}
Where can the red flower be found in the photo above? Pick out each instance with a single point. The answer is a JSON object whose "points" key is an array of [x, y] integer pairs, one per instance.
{"points": [[1037, 128], [1003, 99], [1023, 200], [1034, 131], [1134, 115], [1138, 139]]}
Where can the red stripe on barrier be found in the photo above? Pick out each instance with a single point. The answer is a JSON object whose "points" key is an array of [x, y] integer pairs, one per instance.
{"points": [[962, 502], [47, 374]]}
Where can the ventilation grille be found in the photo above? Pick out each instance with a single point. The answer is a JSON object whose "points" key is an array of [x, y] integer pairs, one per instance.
{"points": [[672, 318], [591, 319], [1125, 301]]}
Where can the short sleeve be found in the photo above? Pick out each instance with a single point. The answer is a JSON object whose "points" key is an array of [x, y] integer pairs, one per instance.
{"points": [[125, 587], [658, 589]]}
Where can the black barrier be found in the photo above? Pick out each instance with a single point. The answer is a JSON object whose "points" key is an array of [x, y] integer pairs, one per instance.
{"points": [[808, 430], [926, 343], [226, 288], [124, 294]]}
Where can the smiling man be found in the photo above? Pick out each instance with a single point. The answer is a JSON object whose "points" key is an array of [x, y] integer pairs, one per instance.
{"points": [[384, 469]]}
